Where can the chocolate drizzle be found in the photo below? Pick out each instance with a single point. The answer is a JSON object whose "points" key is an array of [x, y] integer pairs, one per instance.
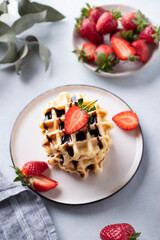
{"points": [[99, 143], [94, 119], [80, 136], [61, 159], [59, 113], [94, 132], [61, 125], [48, 116], [49, 139], [70, 151], [90, 167], [66, 138], [75, 163]]}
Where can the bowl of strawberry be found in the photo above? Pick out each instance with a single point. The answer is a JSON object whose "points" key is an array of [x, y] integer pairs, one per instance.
{"points": [[115, 40]]}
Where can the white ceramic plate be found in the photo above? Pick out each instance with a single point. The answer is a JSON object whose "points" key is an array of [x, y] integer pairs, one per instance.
{"points": [[122, 69], [121, 162]]}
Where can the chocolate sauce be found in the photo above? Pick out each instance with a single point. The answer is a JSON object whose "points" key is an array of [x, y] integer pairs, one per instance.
{"points": [[75, 163], [48, 116], [94, 132], [90, 167], [61, 159], [45, 126], [70, 151], [49, 139], [66, 138], [80, 136], [94, 119], [59, 113], [70, 105], [99, 143], [61, 125]]}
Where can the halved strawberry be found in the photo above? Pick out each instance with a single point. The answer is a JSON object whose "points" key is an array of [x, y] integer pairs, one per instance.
{"points": [[42, 183], [34, 168], [122, 48], [127, 120], [75, 119], [86, 53], [39, 183]]}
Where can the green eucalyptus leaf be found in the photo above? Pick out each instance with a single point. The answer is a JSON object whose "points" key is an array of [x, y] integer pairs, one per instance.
{"points": [[52, 14], [26, 7], [22, 54], [27, 21], [44, 52], [6, 33], [3, 7], [11, 54]]}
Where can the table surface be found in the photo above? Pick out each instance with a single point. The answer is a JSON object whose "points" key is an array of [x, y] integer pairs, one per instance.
{"points": [[138, 202]]}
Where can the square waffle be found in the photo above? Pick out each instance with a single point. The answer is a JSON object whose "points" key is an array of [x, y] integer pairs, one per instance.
{"points": [[79, 152]]}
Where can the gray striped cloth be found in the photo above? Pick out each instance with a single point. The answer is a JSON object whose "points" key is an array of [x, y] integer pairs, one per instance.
{"points": [[23, 215]]}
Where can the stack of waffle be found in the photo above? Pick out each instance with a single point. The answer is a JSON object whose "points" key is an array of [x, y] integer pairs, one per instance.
{"points": [[79, 152]]}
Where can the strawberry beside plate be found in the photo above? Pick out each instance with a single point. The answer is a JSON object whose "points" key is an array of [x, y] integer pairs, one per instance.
{"points": [[122, 69]]}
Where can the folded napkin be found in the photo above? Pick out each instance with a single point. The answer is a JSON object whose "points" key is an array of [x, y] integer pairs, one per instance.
{"points": [[23, 215]]}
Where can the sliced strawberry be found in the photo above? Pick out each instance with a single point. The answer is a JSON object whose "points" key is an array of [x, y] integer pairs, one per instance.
{"points": [[75, 119], [34, 168], [126, 120], [86, 53], [142, 50], [150, 34], [87, 30], [122, 48], [42, 183]]}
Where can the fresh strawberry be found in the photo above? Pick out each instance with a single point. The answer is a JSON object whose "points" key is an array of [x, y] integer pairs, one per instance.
{"points": [[34, 168], [105, 58], [96, 12], [87, 30], [107, 22], [150, 34], [142, 50], [39, 183], [135, 21], [120, 231], [128, 35], [77, 117], [93, 12], [86, 53], [123, 49], [126, 120], [42, 183]]}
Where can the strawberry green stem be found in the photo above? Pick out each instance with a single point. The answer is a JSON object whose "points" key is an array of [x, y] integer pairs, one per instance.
{"points": [[89, 105]]}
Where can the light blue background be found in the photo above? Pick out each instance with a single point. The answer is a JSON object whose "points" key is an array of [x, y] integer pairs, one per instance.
{"points": [[139, 202]]}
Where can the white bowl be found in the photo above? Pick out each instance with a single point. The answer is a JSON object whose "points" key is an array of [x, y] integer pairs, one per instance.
{"points": [[122, 69]]}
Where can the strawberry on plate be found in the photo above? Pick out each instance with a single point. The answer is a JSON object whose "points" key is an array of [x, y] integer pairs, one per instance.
{"points": [[119, 231], [135, 21], [34, 168], [93, 12], [123, 49], [37, 182], [86, 53], [107, 22], [87, 29], [77, 117], [105, 58], [142, 50], [150, 34], [127, 120]]}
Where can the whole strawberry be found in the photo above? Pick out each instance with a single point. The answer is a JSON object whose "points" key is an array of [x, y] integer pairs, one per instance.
{"points": [[93, 12], [150, 34], [34, 168], [87, 30], [121, 231], [135, 21], [86, 52], [142, 50], [107, 22]]}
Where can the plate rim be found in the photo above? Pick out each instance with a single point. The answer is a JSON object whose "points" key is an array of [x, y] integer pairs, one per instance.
{"points": [[122, 74], [76, 85]]}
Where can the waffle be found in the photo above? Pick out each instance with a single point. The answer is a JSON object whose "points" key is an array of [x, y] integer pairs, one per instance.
{"points": [[79, 152]]}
